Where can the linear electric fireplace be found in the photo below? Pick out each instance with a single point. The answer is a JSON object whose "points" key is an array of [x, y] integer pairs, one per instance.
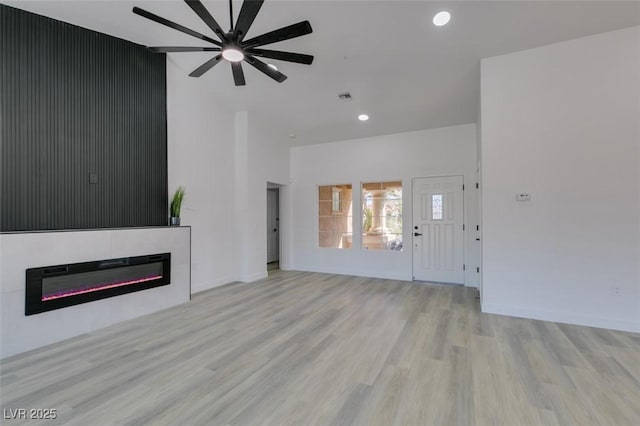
{"points": [[55, 287]]}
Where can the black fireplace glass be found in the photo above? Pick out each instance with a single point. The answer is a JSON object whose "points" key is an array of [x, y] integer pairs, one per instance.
{"points": [[55, 287], [87, 282]]}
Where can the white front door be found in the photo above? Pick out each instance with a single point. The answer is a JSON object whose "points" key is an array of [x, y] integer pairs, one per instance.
{"points": [[273, 234], [437, 229]]}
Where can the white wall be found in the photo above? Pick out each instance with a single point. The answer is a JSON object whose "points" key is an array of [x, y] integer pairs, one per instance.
{"points": [[562, 122], [436, 152], [224, 159], [200, 148], [269, 161], [259, 157]]}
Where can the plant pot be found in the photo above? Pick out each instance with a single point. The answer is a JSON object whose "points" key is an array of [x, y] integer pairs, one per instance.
{"points": [[174, 221]]}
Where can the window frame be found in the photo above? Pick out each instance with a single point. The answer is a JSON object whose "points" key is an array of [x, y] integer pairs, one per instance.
{"points": [[360, 224], [334, 213]]}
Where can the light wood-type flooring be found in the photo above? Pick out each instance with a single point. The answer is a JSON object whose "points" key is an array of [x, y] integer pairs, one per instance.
{"points": [[308, 349]]}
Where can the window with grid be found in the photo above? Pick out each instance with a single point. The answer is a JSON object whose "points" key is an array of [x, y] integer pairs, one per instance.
{"points": [[382, 216], [335, 215]]}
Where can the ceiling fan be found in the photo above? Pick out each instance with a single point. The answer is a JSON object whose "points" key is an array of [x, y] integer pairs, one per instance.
{"points": [[232, 45]]}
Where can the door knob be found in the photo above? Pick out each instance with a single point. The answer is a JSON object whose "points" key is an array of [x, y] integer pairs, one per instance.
{"points": [[415, 234], [275, 229]]}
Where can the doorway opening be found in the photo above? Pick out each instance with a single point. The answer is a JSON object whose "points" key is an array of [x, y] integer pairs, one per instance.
{"points": [[273, 227]]}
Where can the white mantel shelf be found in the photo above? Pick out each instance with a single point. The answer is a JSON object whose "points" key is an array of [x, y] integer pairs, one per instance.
{"points": [[49, 231], [22, 250]]}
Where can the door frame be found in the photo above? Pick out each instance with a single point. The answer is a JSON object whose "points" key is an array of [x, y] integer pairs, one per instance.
{"points": [[277, 189]]}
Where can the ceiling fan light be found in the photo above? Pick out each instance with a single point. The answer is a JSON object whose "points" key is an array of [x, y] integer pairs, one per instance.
{"points": [[441, 19], [232, 55]]}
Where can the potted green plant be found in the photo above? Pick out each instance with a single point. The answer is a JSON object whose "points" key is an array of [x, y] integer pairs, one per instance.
{"points": [[176, 204]]}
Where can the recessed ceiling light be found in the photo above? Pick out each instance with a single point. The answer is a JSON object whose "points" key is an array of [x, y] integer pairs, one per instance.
{"points": [[232, 55], [441, 18], [292, 135], [363, 117], [273, 67]]}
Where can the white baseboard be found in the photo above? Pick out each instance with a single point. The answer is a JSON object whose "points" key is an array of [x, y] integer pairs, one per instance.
{"points": [[203, 286], [253, 277], [355, 272], [285, 266], [563, 317], [207, 285]]}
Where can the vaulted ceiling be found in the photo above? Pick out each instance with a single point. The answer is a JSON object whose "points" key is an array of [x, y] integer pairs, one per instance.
{"points": [[400, 69]]}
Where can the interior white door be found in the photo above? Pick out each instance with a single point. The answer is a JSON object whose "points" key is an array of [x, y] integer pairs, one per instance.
{"points": [[438, 237], [273, 228]]}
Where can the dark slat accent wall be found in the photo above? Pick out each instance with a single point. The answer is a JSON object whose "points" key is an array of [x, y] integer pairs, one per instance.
{"points": [[74, 102]]}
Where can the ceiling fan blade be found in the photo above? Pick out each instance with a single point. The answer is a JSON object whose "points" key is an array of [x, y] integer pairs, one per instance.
{"points": [[204, 14], [206, 66], [171, 24], [299, 58], [166, 49], [261, 66], [284, 33], [238, 74], [248, 13]]}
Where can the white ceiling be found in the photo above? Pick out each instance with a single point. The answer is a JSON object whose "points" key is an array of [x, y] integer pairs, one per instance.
{"points": [[401, 70]]}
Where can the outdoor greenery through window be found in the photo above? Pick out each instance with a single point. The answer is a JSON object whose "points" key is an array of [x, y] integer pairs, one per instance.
{"points": [[335, 216], [382, 216]]}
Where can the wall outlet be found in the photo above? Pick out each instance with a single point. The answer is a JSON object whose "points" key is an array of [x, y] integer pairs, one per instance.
{"points": [[615, 291]]}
